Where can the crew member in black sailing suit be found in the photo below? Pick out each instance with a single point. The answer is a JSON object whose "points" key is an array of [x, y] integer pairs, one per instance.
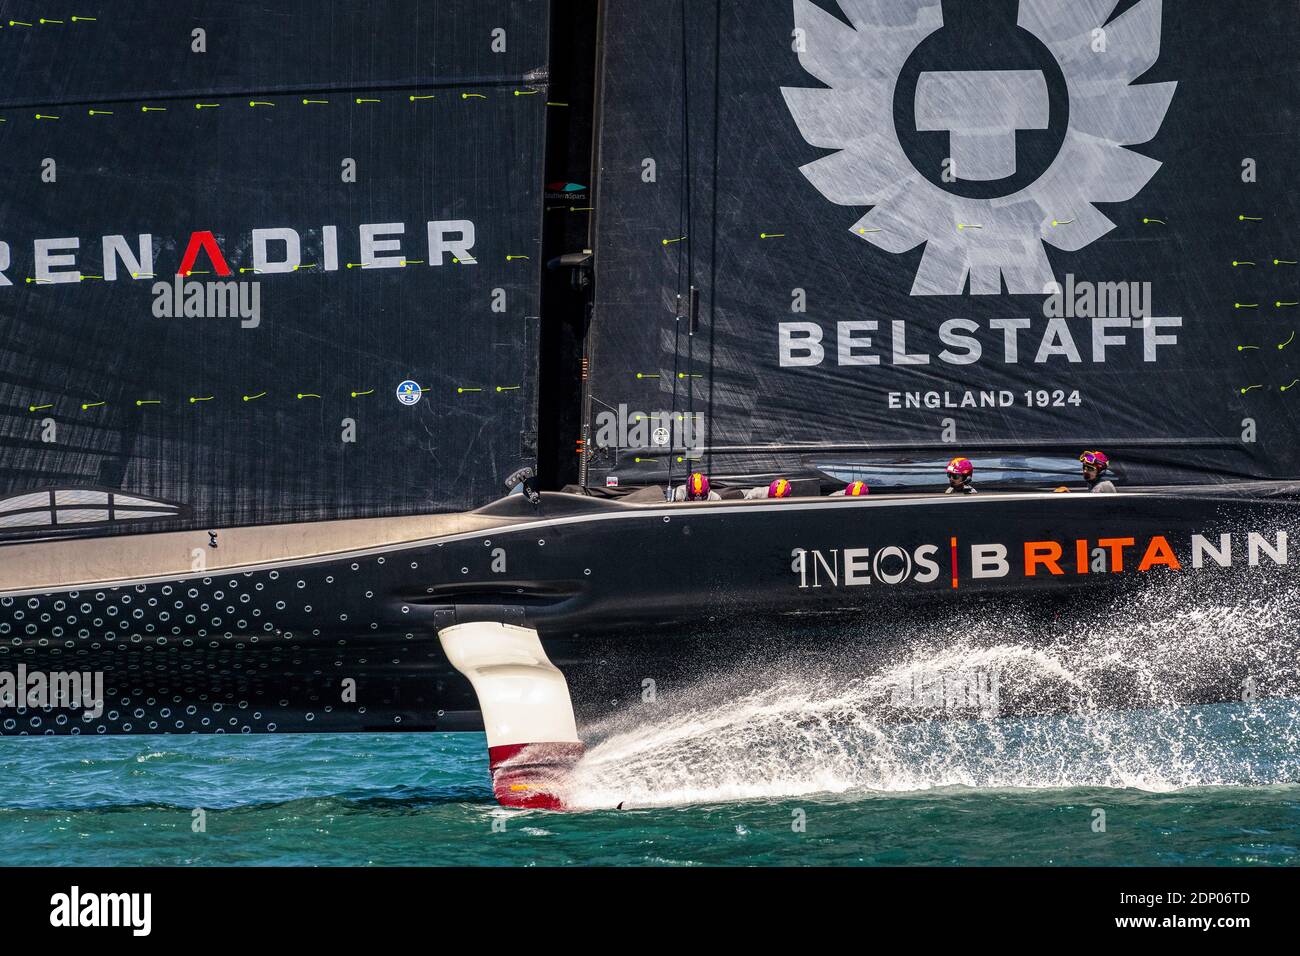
{"points": [[1094, 463], [961, 472]]}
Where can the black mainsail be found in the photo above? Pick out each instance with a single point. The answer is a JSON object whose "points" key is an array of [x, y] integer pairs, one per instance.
{"points": [[267, 263], [948, 228]]}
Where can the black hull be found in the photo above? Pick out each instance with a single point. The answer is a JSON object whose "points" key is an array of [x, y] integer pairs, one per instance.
{"points": [[618, 593]]}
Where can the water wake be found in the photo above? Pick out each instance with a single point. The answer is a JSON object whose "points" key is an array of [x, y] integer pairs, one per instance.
{"points": [[1117, 696]]}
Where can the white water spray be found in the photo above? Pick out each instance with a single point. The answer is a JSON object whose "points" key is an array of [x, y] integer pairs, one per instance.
{"points": [[1114, 699]]}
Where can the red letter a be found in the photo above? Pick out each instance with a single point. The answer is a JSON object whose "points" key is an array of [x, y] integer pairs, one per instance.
{"points": [[208, 243]]}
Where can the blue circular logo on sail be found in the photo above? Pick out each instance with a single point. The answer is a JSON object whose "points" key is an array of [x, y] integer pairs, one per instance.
{"points": [[409, 392]]}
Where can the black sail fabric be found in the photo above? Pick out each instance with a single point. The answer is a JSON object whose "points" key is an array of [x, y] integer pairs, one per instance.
{"points": [[355, 192], [1047, 225]]}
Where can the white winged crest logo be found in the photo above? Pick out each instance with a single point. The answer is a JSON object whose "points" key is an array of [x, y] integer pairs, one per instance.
{"points": [[985, 240]]}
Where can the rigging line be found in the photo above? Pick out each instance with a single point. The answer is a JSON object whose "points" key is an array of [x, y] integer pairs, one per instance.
{"points": [[690, 220], [683, 230], [692, 297], [677, 337], [713, 223], [683, 199]]}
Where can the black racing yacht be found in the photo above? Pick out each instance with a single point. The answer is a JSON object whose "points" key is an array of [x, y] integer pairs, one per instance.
{"points": [[353, 356]]}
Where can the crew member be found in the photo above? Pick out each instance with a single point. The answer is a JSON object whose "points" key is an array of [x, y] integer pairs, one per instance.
{"points": [[696, 488], [1094, 464], [779, 488], [960, 475], [855, 489]]}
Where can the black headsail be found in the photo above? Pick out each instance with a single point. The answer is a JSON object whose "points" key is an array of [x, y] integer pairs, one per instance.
{"points": [[353, 191], [947, 227]]}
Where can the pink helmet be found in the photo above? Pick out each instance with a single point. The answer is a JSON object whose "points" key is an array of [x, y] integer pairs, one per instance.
{"points": [[1095, 458], [697, 487], [779, 489], [961, 467], [857, 489]]}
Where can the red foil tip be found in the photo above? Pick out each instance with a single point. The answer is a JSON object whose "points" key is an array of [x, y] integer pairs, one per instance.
{"points": [[531, 776]]}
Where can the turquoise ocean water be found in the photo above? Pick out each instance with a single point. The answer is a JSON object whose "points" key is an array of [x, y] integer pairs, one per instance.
{"points": [[1197, 785]]}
